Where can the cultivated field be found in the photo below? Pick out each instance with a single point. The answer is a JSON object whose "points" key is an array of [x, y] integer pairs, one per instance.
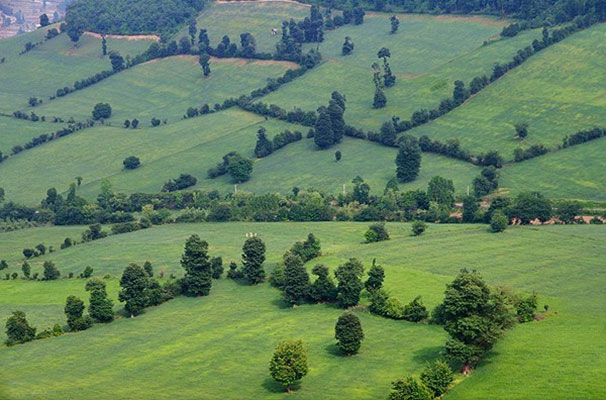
{"points": [[234, 330]]}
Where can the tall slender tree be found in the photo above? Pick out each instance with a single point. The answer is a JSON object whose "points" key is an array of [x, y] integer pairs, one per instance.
{"points": [[253, 257], [198, 270]]}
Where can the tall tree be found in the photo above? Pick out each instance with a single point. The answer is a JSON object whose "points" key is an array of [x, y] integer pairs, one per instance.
{"points": [[134, 282], [324, 136], [441, 190], [335, 111], [348, 332], [296, 279], [376, 275], [44, 20], [104, 45], [289, 362], [349, 277], [395, 24], [204, 62], [253, 257], [323, 289], [193, 29], [18, 329], [74, 307], [100, 307], [198, 270], [408, 160], [348, 46], [388, 134]]}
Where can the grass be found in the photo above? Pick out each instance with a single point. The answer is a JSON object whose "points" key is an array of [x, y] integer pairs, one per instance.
{"points": [[223, 342], [557, 92], [257, 18], [165, 88], [53, 64], [18, 132], [428, 55], [574, 173]]}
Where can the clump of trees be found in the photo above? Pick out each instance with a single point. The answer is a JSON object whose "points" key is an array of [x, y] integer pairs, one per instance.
{"points": [[265, 147], [182, 182], [376, 233], [74, 308], [330, 125], [239, 167]]}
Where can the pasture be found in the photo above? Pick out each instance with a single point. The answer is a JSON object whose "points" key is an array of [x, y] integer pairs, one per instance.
{"points": [[223, 342]]}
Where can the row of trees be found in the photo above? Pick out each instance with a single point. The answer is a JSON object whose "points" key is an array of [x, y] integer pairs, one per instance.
{"points": [[265, 147]]}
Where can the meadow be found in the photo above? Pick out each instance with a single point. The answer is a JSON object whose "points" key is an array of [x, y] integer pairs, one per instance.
{"points": [[166, 88], [222, 343], [53, 64], [558, 92], [18, 132]]}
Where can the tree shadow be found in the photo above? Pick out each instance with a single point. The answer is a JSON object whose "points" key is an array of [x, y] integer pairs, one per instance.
{"points": [[280, 303], [428, 354], [274, 387], [334, 350]]}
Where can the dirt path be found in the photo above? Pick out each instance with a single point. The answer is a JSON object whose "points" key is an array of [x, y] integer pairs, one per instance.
{"points": [[155, 38]]}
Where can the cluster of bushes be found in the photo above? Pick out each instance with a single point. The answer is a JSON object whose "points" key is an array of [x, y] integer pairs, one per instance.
{"points": [[18, 330], [583, 136], [182, 182], [391, 307], [451, 148], [487, 182], [376, 233], [533, 151], [265, 147], [38, 250], [239, 167]]}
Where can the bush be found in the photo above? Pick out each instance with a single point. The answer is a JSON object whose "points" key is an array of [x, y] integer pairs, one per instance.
{"points": [[418, 227], [102, 111], [131, 162], [437, 376], [526, 308], [498, 222], [376, 233], [349, 334], [415, 311], [409, 389]]}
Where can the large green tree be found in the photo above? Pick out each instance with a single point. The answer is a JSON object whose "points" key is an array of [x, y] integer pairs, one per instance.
{"points": [[253, 257], [198, 269], [408, 160], [289, 362], [18, 329], [74, 307], [134, 282], [349, 278], [323, 289], [100, 307], [296, 279], [349, 333]]}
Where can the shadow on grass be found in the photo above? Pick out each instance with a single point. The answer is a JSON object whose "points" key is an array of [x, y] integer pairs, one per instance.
{"points": [[334, 350], [274, 387], [428, 354]]}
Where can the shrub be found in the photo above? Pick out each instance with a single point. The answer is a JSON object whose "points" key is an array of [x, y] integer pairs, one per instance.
{"points": [[415, 311], [50, 271], [376, 233], [437, 376], [526, 308], [498, 222], [18, 329], [418, 227], [131, 162], [349, 334], [102, 111], [409, 389]]}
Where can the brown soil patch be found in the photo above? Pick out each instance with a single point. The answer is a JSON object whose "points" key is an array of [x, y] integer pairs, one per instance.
{"points": [[155, 38]]}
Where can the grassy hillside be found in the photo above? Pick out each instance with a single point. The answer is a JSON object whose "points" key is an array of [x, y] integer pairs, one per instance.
{"points": [[576, 173], [557, 92], [425, 73], [52, 65], [257, 18], [18, 132], [565, 274], [165, 88]]}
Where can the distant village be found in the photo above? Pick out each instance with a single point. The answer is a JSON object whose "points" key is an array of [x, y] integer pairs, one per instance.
{"points": [[20, 16]]}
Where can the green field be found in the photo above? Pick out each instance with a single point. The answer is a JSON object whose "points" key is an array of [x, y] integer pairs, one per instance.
{"points": [[18, 132], [575, 173], [220, 345], [166, 88], [52, 65], [425, 72], [557, 92], [257, 18]]}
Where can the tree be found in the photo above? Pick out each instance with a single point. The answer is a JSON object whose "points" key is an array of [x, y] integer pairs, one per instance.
{"points": [[44, 20], [193, 29], [349, 278], [126, 123], [395, 24], [184, 46], [149, 270], [358, 15], [408, 160], [26, 269], [376, 275], [155, 121], [216, 264], [88, 272], [131, 162], [134, 282], [441, 190], [104, 45], [376, 233], [418, 227], [203, 40], [409, 389], [323, 289], [437, 376], [134, 123], [253, 257], [348, 332], [348, 46], [568, 211], [289, 362], [100, 308], [336, 109], [51, 272], [498, 222], [74, 307], [102, 111], [415, 311], [264, 146], [18, 329], [521, 130], [324, 136], [204, 62], [475, 318], [531, 205], [239, 168], [296, 279], [379, 100], [198, 270], [75, 28], [470, 208], [248, 45], [338, 155], [117, 61], [460, 94], [388, 134]]}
